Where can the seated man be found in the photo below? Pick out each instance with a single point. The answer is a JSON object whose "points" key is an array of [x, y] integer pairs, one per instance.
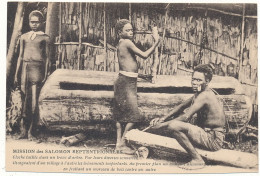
{"points": [[208, 133]]}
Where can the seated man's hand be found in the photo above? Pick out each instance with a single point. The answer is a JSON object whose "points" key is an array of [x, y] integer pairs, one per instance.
{"points": [[156, 121]]}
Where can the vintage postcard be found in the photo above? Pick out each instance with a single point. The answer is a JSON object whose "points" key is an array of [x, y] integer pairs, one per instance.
{"points": [[136, 88]]}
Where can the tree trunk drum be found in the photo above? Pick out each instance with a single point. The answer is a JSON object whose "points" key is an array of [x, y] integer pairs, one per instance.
{"points": [[78, 99]]}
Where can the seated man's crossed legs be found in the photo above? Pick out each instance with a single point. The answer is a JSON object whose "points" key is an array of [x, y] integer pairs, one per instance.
{"points": [[190, 136]]}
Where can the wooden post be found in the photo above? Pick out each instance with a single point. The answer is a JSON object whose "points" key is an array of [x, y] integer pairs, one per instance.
{"points": [[17, 31], [80, 35], [241, 44], [203, 39], [59, 64], [60, 20], [155, 58], [164, 31], [105, 39], [130, 12], [52, 23]]}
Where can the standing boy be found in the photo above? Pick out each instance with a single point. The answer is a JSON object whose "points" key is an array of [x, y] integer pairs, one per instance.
{"points": [[125, 88], [34, 61], [208, 134]]}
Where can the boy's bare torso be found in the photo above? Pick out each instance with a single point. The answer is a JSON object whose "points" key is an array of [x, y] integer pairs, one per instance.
{"points": [[126, 58]]}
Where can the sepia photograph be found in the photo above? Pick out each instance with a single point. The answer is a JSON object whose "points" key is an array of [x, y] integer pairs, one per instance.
{"points": [[131, 87]]}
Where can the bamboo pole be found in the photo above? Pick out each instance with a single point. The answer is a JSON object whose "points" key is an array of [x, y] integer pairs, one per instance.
{"points": [[77, 43], [184, 69], [223, 12], [60, 49], [108, 45], [249, 84], [80, 35], [60, 19], [105, 39], [242, 43], [204, 35], [164, 31], [176, 38], [130, 12]]}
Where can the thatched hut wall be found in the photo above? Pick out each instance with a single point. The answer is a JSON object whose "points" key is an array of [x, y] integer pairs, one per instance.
{"points": [[192, 36]]}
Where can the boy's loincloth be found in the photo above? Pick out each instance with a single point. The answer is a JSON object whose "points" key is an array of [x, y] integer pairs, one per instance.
{"points": [[32, 74], [206, 138], [125, 99]]}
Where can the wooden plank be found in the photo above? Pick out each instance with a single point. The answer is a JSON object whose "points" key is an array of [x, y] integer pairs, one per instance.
{"points": [[225, 156]]}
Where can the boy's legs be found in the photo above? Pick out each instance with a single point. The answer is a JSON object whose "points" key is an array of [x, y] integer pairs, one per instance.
{"points": [[128, 127], [23, 134], [34, 106], [180, 133], [118, 134], [122, 145], [26, 115]]}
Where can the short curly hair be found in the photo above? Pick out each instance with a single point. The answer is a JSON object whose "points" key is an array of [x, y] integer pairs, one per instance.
{"points": [[120, 24], [36, 13], [206, 69]]}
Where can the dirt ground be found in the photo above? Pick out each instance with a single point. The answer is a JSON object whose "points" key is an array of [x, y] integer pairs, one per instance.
{"points": [[97, 141]]}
